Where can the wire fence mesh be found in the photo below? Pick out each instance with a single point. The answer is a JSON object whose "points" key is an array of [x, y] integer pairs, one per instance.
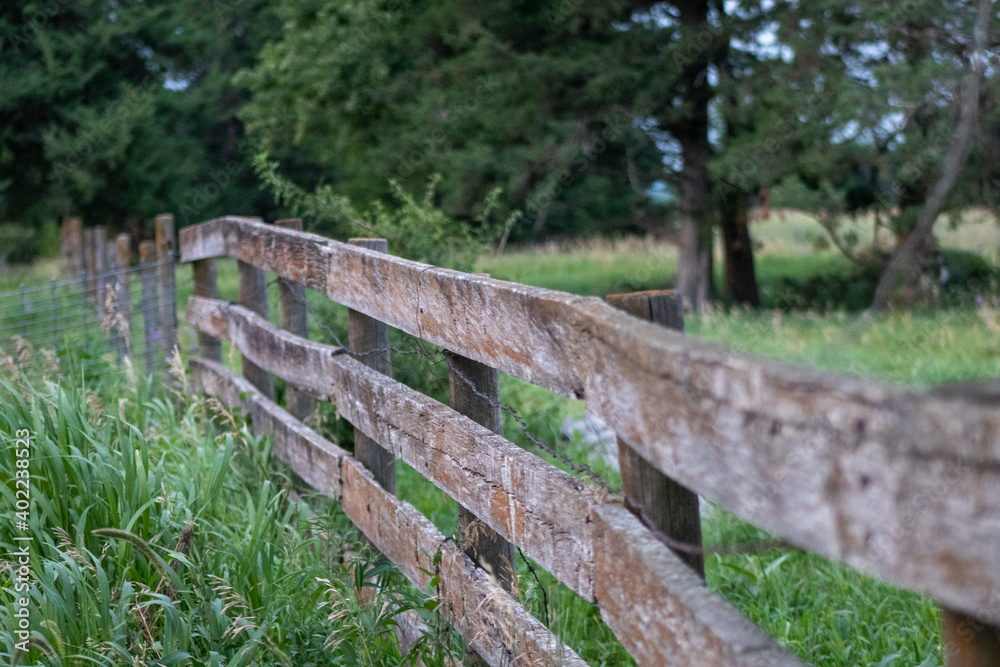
{"points": [[86, 324]]}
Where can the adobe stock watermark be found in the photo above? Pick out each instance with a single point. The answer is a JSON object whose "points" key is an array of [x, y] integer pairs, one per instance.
{"points": [[21, 575], [40, 18]]}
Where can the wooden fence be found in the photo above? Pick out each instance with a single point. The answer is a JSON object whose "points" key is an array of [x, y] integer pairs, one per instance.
{"points": [[898, 483], [105, 267]]}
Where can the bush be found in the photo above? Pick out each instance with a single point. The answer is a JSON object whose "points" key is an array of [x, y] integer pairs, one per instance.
{"points": [[416, 229], [952, 273], [21, 245], [18, 245], [962, 270]]}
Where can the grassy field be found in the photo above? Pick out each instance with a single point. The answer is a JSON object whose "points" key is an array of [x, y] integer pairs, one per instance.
{"points": [[159, 538], [824, 612]]}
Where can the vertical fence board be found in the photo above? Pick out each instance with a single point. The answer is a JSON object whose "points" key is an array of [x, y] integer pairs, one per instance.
{"points": [[294, 318], [166, 255], [150, 303], [474, 390], [123, 296], [87, 259], [99, 249], [967, 641], [206, 284], [366, 334], [253, 295], [71, 245], [659, 501], [108, 286]]}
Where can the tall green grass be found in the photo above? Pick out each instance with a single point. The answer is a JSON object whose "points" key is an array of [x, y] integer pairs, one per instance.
{"points": [[158, 538]]}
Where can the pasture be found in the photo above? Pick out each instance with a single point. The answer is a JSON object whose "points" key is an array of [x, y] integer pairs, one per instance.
{"points": [[822, 611]]}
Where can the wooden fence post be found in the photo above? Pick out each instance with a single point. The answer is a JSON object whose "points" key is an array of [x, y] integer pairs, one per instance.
{"points": [[206, 284], [366, 334], [474, 390], [150, 303], [87, 259], [123, 293], [166, 255], [71, 245], [110, 277], [99, 249], [294, 318], [253, 296], [660, 502], [967, 641]]}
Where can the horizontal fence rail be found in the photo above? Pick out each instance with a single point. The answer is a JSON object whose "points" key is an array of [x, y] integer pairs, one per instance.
{"points": [[494, 624], [656, 605], [553, 517], [899, 483], [528, 501]]}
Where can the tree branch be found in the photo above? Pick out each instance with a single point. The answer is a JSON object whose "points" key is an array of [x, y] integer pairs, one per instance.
{"points": [[958, 153]]}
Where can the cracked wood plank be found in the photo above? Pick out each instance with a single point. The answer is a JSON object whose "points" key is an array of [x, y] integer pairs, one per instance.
{"points": [[638, 578], [899, 483], [661, 610], [495, 625], [528, 501]]}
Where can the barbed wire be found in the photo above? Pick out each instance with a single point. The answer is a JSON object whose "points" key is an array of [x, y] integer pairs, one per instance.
{"points": [[436, 354]]}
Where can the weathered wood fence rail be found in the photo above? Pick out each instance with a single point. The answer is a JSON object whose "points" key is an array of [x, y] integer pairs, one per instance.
{"points": [[901, 484]]}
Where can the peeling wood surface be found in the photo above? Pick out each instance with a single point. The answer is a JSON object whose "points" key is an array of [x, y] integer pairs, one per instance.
{"points": [[659, 607], [655, 604], [899, 483], [496, 626], [658, 500], [525, 499]]}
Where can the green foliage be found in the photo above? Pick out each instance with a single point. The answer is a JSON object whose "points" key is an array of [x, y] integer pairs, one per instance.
{"points": [[953, 275], [157, 539], [21, 245], [513, 96], [415, 228], [117, 115], [822, 611]]}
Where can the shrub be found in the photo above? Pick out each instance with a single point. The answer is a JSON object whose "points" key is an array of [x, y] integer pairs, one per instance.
{"points": [[415, 228]]}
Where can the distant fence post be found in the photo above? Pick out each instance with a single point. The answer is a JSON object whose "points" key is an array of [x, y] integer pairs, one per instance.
{"points": [[206, 284], [967, 641], [99, 249], [295, 319], [166, 255], [88, 261], [111, 276], [253, 296], [150, 303], [474, 390], [71, 245], [123, 294], [366, 334], [658, 500]]}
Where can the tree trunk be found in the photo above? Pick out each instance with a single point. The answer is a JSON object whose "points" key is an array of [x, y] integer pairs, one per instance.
{"points": [[905, 254], [741, 281], [694, 265]]}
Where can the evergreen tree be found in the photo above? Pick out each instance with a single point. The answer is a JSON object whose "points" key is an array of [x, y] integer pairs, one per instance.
{"points": [[118, 111], [520, 96]]}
